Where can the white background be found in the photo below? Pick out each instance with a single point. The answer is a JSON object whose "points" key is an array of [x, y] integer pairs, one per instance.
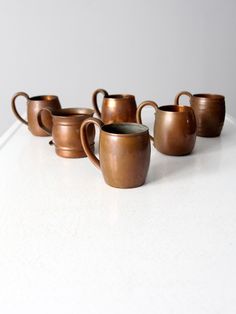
{"points": [[152, 49]]}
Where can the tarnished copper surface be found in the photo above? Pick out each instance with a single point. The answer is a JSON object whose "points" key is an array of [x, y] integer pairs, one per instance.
{"points": [[65, 130], [209, 110], [34, 105], [124, 151], [115, 108], [174, 128]]}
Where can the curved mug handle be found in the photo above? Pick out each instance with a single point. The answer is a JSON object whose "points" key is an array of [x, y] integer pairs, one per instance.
{"points": [[139, 110], [84, 139], [95, 102], [13, 106], [40, 121], [177, 97]]}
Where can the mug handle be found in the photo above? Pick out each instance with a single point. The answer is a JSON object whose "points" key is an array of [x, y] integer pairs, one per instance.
{"points": [[84, 139], [40, 122], [95, 102], [139, 110], [177, 97], [13, 106]]}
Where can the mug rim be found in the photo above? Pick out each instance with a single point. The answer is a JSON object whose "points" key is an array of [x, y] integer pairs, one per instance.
{"points": [[43, 97], [208, 96], [165, 108], [120, 96], [74, 112], [144, 128]]}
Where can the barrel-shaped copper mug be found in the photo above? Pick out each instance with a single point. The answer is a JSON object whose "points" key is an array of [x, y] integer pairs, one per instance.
{"points": [[124, 152], [34, 105], [65, 130], [115, 108], [209, 110], [174, 128]]}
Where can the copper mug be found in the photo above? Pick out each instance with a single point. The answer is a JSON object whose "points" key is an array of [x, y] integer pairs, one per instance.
{"points": [[209, 110], [115, 108], [124, 151], [174, 128], [65, 130], [34, 105]]}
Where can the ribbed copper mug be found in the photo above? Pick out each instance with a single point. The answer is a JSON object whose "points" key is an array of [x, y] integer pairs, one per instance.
{"points": [[174, 128], [209, 110], [115, 108], [124, 151], [34, 105], [65, 130]]}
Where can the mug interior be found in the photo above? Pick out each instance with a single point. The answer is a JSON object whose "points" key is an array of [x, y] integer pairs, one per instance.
{"points": [[44, 97], [124, 128], [175, 108], [120, 96]]}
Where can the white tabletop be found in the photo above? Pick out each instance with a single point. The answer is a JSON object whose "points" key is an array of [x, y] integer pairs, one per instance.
{"points": [[71, 244]]}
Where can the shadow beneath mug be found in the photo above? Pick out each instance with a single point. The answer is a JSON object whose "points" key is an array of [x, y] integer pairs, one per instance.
{"points": [[201, 160], [207, 145], [164, 166]]}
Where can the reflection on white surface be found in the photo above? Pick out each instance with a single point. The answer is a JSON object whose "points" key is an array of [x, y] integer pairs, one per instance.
{"points": [[71, 244]]}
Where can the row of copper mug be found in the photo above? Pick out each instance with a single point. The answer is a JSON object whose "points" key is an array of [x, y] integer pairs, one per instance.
{"points": [[209, 110], [124, 146]]}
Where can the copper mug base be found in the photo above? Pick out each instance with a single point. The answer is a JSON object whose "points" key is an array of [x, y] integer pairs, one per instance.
{"points": [[69, 153]]}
